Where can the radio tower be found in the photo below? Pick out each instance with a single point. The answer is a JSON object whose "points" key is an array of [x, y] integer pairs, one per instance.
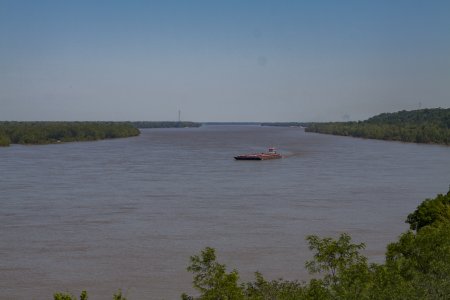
{"points": [[179, 116]]}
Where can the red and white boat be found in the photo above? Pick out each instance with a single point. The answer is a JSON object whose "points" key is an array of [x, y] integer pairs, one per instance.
{"points": [[272, 154]]}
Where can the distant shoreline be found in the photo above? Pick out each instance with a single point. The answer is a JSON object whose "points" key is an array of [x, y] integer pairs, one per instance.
{"points": [[165, 124], [424, 126], [42, 133], [54, 132]]}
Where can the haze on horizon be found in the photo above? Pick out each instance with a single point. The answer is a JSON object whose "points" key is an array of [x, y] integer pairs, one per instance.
{"points": [[222, 60]]}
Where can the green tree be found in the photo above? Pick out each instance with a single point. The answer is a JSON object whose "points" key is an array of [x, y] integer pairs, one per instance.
{"points": [[430, 211], [345, 271], [261, 289], [423, 260], [67, 296], [4, 139], [119, 296], [212, 280]]}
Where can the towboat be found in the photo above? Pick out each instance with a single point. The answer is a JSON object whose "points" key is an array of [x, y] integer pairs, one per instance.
{"points": [[272, 154]]}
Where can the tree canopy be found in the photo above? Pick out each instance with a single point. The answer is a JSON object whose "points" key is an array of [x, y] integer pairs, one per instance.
{"points": [[418, 126], [53, 132]]}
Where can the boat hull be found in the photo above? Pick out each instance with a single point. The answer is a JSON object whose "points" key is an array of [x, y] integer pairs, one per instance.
{"points": [[262, 156], [243, 157]]}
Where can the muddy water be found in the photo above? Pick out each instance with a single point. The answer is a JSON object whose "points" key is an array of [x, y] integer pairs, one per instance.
{"points": [[128, 213]]}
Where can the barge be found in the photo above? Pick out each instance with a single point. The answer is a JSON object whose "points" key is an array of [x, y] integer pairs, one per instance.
{"points": [[272, 154]]}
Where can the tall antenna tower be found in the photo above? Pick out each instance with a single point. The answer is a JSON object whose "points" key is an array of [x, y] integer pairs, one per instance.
{"points": [[179, 116]]}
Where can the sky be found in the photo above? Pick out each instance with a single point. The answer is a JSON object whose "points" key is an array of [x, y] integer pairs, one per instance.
{"points": [[221, 60]]}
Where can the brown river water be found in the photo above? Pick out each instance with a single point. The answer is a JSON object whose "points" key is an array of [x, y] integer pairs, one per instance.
{"points": [[128, 213]]}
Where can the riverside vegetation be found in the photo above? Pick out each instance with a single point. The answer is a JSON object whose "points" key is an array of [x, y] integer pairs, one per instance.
{"points": [[164, 124], [53, 132], [417, 266], [418, 126]]}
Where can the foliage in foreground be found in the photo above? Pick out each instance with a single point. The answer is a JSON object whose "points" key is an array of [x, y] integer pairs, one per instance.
{"points": [[417, 267], [67, 296], [84, 296]]}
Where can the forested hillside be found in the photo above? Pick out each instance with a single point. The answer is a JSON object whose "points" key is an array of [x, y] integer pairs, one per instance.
{"points": [[53, 132], [417, 126]]}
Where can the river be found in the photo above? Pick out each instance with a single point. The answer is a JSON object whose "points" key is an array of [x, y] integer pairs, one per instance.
{"points": [[128, 213]]}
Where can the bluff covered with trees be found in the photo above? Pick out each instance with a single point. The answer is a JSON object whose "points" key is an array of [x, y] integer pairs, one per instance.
{"points": [[417, 126], [417, 266], [53, 132]]}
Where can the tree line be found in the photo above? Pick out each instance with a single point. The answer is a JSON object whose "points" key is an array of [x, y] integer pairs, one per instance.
{"points": [[417, 126], [54, 132], [417, 266], [13, 132], [283, 124], [164, 124]]}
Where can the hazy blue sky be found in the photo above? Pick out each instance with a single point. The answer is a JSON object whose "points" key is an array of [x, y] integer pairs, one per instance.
{"points": [[222, 60]]}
